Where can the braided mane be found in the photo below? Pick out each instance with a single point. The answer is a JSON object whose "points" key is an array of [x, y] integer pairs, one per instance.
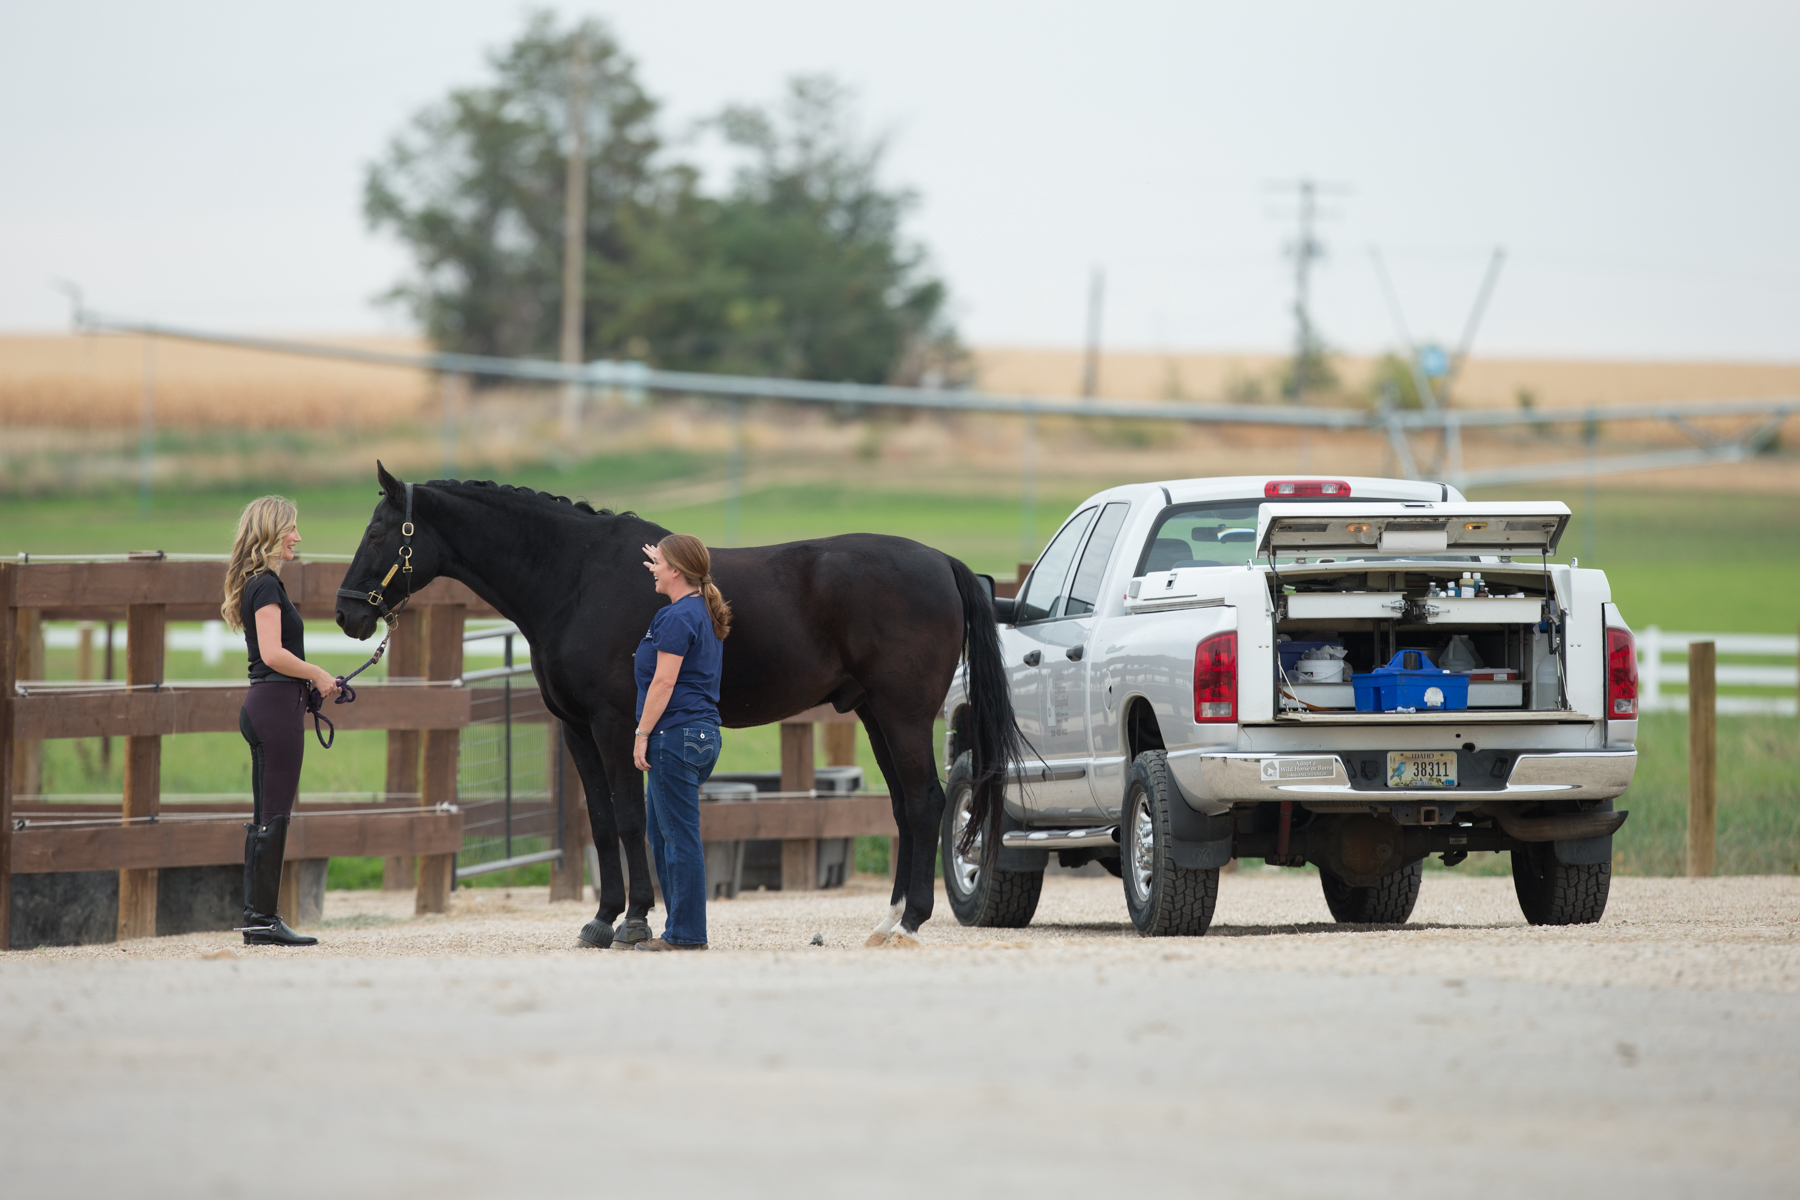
{"points": [[529, 494]]}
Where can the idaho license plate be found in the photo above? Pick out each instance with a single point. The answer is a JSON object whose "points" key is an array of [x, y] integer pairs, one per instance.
{"points": [[1421, 769]]}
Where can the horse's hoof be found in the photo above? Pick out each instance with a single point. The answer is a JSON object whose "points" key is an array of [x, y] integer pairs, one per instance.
{"points": [[902, 940], [630, 933], [597, 934], [875, 939]]}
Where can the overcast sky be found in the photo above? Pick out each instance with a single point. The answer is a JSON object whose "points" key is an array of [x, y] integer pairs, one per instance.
{"points": [[202, 163]]}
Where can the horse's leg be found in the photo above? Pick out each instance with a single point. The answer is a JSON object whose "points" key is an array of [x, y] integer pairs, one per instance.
{"points": [[609, 889], [913, 780], [901, 865], [627, 785]]}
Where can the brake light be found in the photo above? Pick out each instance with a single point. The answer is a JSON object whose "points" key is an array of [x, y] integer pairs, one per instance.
{"points": [[1621, 674], [1277, 489], [1215, 679]]}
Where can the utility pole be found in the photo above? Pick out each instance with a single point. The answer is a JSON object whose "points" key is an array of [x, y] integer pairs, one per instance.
{"points": [[574, 237], [1090, 367], [1305, 250], [147, 429]]}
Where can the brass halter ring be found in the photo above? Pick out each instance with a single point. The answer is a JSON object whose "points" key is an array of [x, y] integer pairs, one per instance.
{"points": [[403, 566]]}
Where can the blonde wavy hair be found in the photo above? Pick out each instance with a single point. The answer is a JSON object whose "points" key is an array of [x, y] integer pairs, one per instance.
{"points": [[688, 554], [257, 548]]}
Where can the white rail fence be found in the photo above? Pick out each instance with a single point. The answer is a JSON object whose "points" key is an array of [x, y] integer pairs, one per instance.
{"points": [[214, 641], [1662, 659]]}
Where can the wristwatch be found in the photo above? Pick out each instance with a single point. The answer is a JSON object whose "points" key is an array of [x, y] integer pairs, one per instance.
{"points": [[639, 733]]}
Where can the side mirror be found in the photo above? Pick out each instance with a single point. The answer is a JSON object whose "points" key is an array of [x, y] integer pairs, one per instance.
{"points": [[1005, 609], [987, 583]]}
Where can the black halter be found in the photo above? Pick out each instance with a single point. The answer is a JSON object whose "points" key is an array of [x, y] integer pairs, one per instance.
{"points": [[403, 564], [376, 598]]}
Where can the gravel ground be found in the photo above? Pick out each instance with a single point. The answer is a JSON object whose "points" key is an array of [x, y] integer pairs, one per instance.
{"points": [[485, 1052]]}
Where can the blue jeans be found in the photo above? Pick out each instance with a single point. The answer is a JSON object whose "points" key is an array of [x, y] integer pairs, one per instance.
{"points": [[681, 758]]}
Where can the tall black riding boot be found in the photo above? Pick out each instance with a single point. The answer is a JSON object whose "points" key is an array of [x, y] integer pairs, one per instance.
{"points": [[263, 847]]}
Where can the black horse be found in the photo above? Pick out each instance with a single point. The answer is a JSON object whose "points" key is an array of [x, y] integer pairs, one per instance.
{"points": [[863, 621]]}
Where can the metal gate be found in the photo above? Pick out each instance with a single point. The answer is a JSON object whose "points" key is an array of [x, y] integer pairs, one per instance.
{"points": [[509, 776]]}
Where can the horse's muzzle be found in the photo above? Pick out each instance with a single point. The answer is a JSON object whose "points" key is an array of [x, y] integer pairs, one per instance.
{"points": [[360, 625]]}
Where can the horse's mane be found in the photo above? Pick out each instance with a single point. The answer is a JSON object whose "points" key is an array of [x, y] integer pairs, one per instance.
{"points": [[508, 489]]}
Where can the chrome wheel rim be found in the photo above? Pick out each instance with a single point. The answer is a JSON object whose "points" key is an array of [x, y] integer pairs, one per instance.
{"points": [[1141, 852], [965, 869]]}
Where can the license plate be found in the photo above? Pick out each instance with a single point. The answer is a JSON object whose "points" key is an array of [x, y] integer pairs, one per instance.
{"points": [[1421, 768]]}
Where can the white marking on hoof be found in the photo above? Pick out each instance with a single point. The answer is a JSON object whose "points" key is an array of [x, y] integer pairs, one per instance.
{"points": [[894, 913]]}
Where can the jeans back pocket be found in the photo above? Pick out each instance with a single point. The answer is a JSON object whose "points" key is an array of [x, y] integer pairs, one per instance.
{"points": [[700, 746]]}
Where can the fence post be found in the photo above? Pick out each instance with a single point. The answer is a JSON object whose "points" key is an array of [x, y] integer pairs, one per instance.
{"points": [[444, 637], [28, 755], [144, 635], [1703, 751], [406, 660], [840, 743], [573, 830], [799, 856], [9, 634], [1650, 674]]}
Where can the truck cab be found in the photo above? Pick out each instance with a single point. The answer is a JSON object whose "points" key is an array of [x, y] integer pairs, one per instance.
{"points": [[1352, 673]]}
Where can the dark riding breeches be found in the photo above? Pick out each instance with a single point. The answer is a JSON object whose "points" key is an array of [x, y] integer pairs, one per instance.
{"points": [[273, 721]]}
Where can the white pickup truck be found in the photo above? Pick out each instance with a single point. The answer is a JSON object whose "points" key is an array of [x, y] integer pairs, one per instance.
{"points": [[1353, 673]]}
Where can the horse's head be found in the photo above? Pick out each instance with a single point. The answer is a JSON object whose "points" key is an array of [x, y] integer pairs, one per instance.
{"points": [[398, 557]]}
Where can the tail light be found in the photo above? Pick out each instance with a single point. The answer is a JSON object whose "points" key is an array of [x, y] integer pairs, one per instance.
{"points": [[1215, 679], [1281, 489], [1621, 674]]}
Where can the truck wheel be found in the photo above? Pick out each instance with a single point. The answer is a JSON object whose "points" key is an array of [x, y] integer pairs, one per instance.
{"points": [[1556, 893], [1164, 900], [981, 895], [1388, 902]]}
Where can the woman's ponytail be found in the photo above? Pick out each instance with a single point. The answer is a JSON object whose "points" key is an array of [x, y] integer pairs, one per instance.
{"points": [[716, 608], [688, 554]]}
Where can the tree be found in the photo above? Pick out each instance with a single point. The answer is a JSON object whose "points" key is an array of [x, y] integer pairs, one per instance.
{"points": [[798, 268], [836, 292], [474, 188], [1392, 380]]}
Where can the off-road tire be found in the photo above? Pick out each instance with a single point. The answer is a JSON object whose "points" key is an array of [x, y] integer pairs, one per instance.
{"points": [[1164, 900], [1557, 893], [1387, 902], [982, 894]]}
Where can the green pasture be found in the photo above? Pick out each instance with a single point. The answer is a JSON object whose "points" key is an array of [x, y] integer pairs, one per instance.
{"points": [[1681, 560], [1684, 561]]}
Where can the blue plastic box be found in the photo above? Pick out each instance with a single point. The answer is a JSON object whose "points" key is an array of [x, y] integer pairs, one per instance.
{"points": [[1404, 682]]}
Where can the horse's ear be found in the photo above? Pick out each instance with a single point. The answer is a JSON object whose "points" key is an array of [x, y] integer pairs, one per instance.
{"points": [[396, 491]]}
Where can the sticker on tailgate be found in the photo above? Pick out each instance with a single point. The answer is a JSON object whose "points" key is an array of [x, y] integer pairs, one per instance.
{"points": [[1299, 768], [1421, 769]]}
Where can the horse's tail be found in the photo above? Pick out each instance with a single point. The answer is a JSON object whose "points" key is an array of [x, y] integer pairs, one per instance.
{"points": [[994, 742]]}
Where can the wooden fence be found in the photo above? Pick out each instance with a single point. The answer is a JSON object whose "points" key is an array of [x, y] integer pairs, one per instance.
{"points": [[423, 708]]}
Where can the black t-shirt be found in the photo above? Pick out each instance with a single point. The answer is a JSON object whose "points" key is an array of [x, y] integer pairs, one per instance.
{"points": [[261, 590]]}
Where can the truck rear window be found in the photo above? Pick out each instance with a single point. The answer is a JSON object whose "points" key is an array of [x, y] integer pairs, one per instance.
{"points": [[1217, 533]]}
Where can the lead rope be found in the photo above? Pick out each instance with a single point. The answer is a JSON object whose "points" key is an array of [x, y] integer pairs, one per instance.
{"points": [[315, 701]]}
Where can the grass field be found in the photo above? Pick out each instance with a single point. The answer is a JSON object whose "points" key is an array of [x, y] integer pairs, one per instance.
{"points": [[1681, 560]]}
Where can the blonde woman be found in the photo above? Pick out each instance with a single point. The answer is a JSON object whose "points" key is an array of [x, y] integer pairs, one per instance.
{"points": [[272, 719], [677, 670]]}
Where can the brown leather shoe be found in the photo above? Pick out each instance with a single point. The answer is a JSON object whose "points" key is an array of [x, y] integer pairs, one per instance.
{"points": [[656, 944]]}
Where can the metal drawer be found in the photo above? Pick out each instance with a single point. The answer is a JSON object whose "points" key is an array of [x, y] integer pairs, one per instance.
{"points": [[1334, 606]]}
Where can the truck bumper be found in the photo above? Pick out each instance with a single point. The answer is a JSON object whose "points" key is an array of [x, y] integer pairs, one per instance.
{"points": [[1212, 781]]}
